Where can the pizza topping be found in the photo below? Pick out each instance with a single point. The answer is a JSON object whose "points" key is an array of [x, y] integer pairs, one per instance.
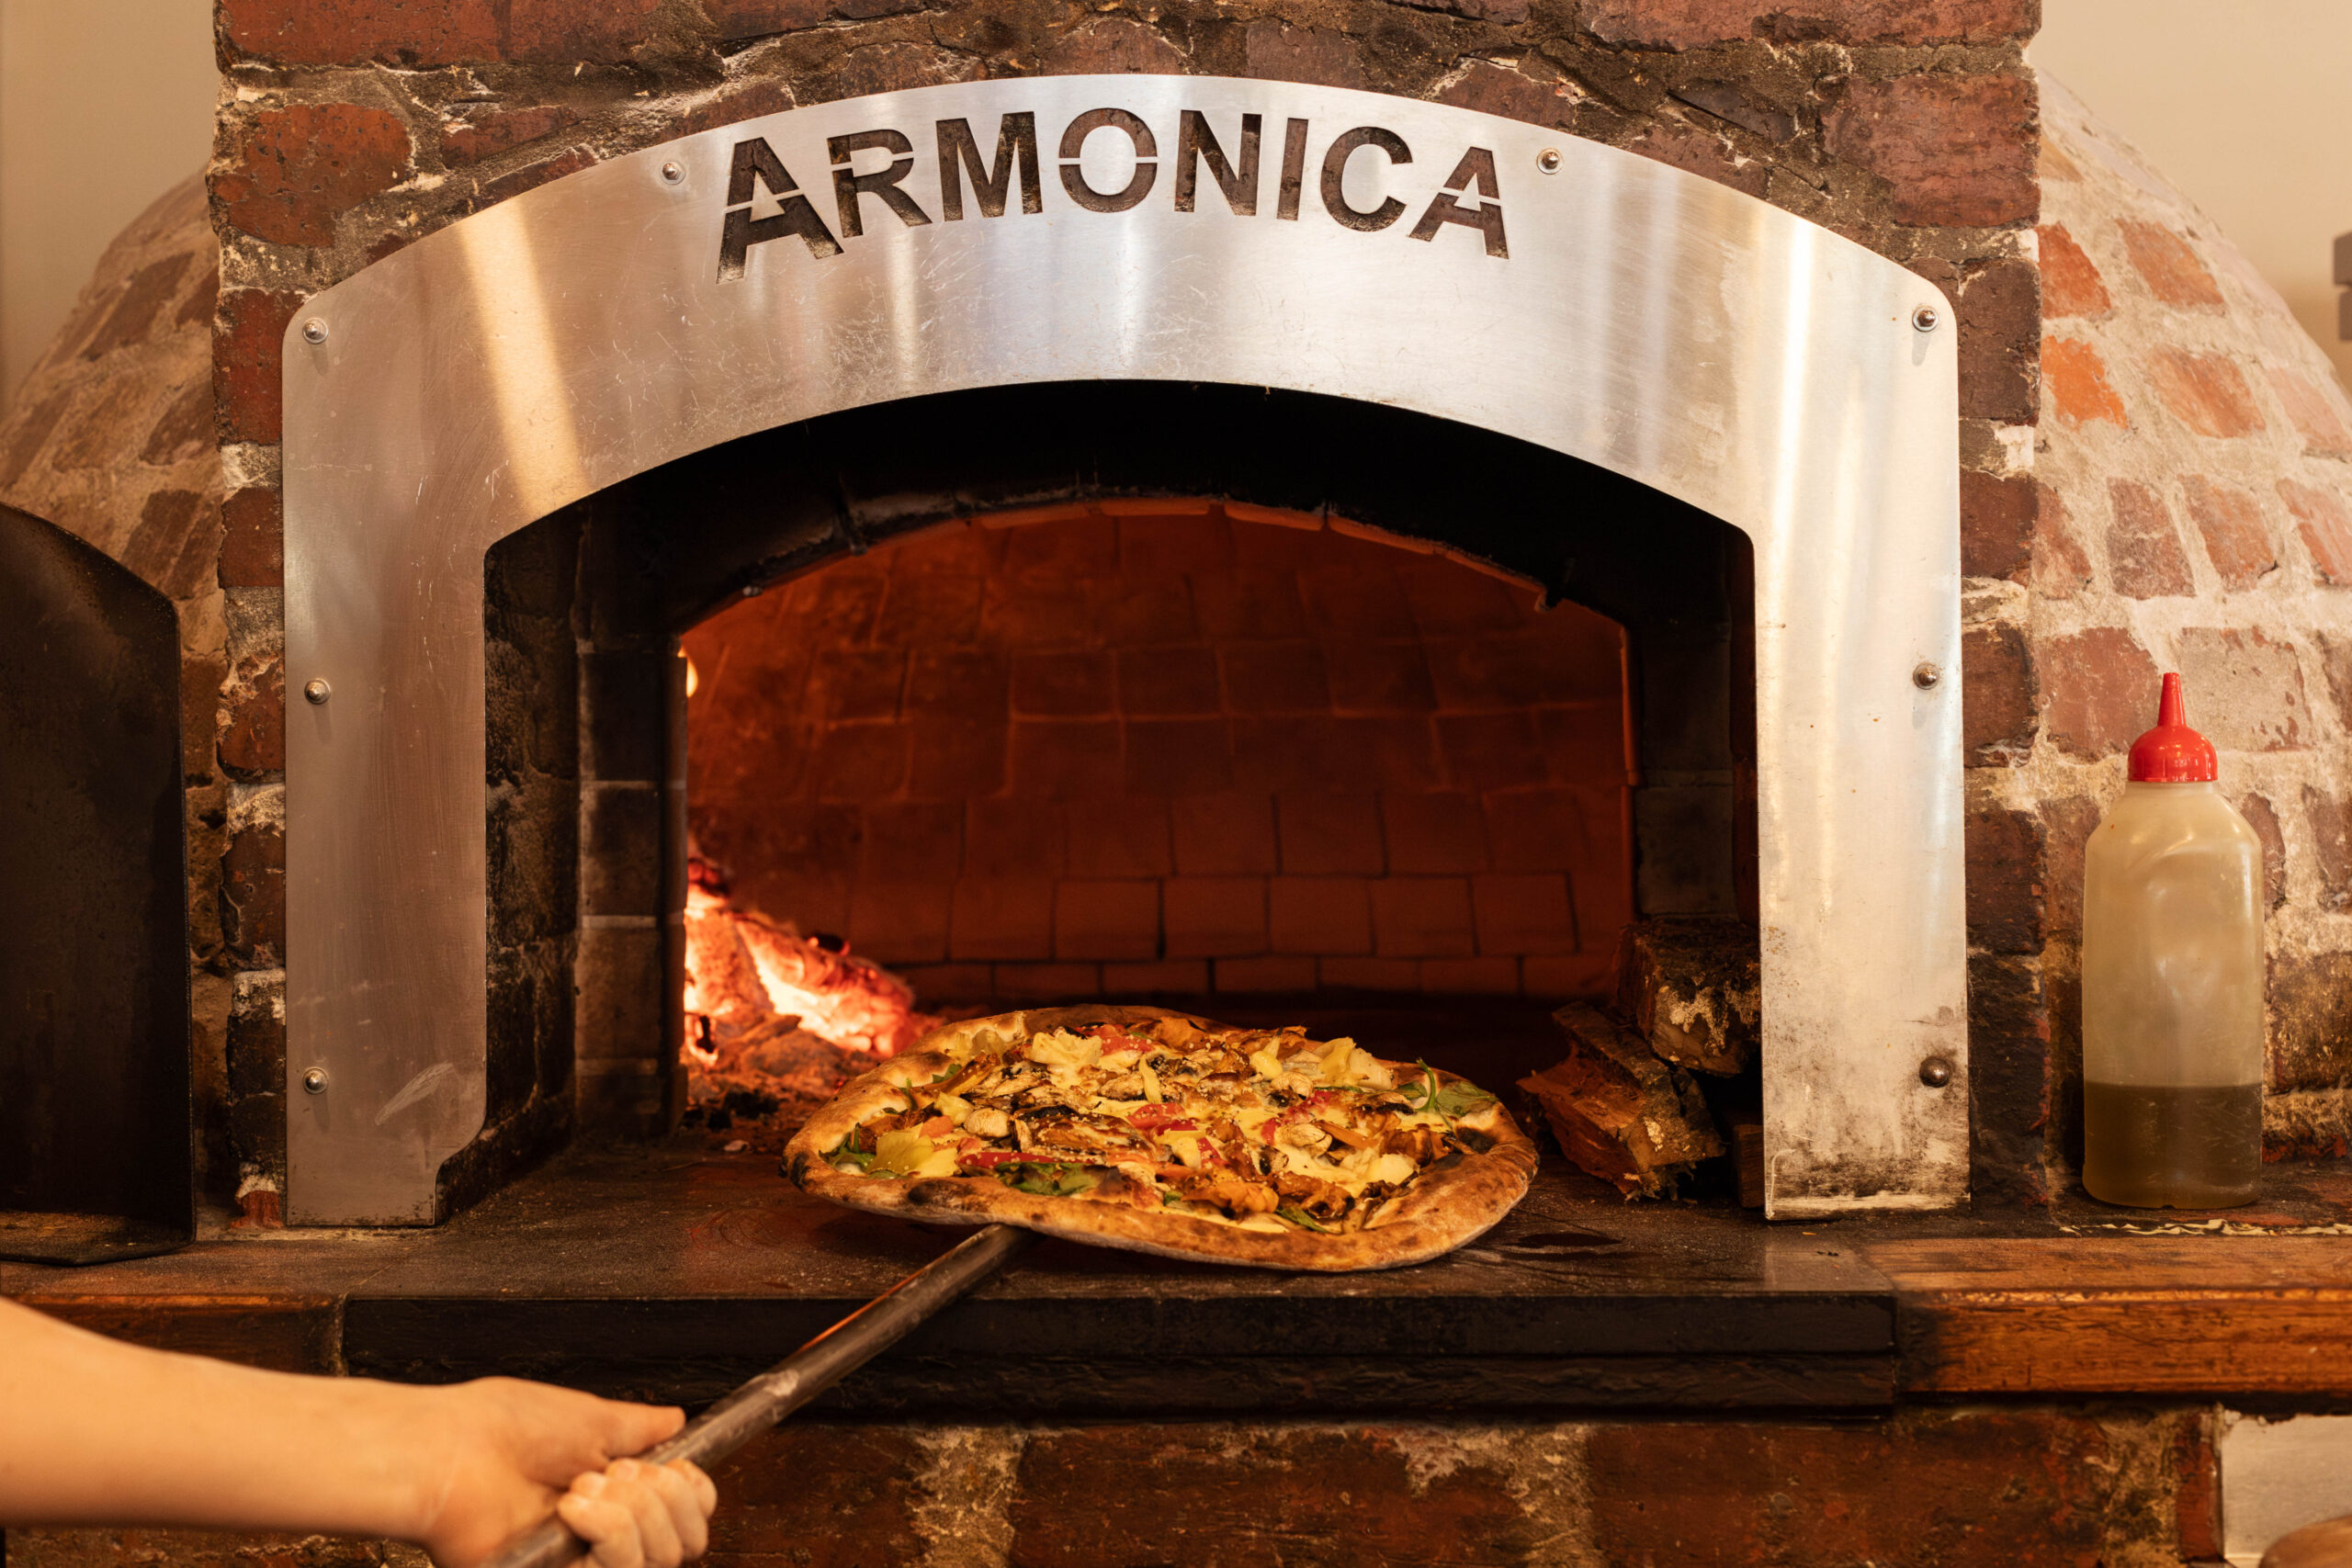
{"points": [[1262, 1128]]}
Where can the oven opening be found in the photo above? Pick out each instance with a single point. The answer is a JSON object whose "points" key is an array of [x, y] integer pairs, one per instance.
{"points": [[1274, 708]]}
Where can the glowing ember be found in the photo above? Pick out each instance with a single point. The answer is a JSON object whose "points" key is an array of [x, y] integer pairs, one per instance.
{"points": [[771, 1009]]}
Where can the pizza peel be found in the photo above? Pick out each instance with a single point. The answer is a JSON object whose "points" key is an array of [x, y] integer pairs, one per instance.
{"points": [[798, 1378]]}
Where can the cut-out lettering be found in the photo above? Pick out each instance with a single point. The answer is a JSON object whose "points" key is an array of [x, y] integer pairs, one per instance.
{"points": [[1197, 144], [1016, 142], [756, 163], [849, 184], [1335, 167], [1477, 167], [1294, 169], [1074, 173]]}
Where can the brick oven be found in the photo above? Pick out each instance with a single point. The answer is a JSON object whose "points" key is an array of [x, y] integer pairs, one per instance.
{"points": [[596, 508]]}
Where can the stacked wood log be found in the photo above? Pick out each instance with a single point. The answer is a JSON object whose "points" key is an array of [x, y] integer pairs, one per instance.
{"points": [[1626, 1102]]}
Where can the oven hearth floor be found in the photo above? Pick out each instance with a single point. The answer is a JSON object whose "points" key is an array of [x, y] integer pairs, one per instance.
{"points": [[673, 1272]]}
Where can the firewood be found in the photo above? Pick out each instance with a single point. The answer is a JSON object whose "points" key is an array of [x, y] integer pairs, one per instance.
{"points": [[1617, 1111], [1693, 989]]}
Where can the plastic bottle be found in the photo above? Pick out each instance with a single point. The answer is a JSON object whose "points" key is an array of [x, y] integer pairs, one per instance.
{"points": [[2172, 983]]}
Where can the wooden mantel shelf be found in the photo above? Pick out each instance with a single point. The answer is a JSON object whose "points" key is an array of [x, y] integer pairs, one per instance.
{"points": [[673, 1272]]}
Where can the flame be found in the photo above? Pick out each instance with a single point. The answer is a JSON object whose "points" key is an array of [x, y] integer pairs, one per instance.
{"points": [[746, 973]]}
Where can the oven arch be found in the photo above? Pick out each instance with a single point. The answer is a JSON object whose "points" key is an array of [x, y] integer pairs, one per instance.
{"points": [[1706, 343]]}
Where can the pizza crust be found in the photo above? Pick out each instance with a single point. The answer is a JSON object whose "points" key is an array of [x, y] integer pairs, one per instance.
{"points": [[1453, 1200]]}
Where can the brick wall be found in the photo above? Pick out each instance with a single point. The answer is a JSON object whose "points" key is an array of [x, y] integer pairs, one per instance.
{"points": [[1171, 754], [2195, 514]]}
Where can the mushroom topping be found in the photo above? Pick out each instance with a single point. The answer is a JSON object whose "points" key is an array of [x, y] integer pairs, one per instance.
{"points": [[1305, 1136], [988, 1121], [1126, 1085]]}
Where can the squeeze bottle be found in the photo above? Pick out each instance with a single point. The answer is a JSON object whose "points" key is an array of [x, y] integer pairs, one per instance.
{"points": [[2172, 983]]}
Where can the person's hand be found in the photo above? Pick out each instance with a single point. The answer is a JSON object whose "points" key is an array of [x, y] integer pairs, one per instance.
{"points": [[506, 1451], [641, 1515]]}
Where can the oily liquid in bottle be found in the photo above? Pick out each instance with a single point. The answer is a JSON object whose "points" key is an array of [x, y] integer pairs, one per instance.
{"points": [[2172, 983]]}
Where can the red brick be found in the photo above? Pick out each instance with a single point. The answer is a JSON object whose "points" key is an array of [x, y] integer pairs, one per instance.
{"points": [[1062, 685], [2000, 330], [132, 318], [1165, 547], [1329, 835], [739, 19], [252, 540], [2066, 828], [894, 922], [1238, 604], [1422, 917], [340, 32], [913, 840], [1569, 974], [1106, 920], [1110, 45], [2263, 819], [748, 100], [1400, 753], [252, 731], [1708, 153], [2237, 536], [488, 130], [200, 680], [1141, 613], [1447, 599], [1379, 677], [855, 683], [1319, 914], [2076, 378], [954, 760], [1011, 839], [821, 1496], [2100, 689], [1274, 677], [1118, 836], [1996, 696], [1369, 974], [1188, 977], [1271, 974], [2326, 529], [1490, 750], [2060, 569], [928, 612], [1357, 600], [1583, 744], [2206, 392], [515, 181], [2197, 1500], [1208, 1493], [2315, 415], [2020, 1489], [1491, 976], [1047, 982], [2244, 689], [860, 761], [1224, 835], [1173, 683], [1545, 829], [1957, 150], [1178, 757], [2004, 890], [295, 169], [246, 367], [252, 897], [1273, 50], [1062, 761], [1213, 917], [2071, 285], [1433, 833], [1997, 517], [1520, 912], [1694, 24], [2144, 555], [2168, 265], [937, 983]]}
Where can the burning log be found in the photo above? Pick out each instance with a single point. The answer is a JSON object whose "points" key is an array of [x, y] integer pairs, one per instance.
{"points": [[1617, 1111], [776, 1014]]}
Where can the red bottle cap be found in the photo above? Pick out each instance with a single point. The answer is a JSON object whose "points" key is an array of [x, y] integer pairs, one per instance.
{"points": [[2172, 752]]}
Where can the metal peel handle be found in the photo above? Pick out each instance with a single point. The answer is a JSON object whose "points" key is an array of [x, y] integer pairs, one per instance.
{"points": [[798, 1379]]}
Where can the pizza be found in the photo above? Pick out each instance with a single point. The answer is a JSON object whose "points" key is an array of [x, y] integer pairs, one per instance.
{"points": [[1160, 1132]]}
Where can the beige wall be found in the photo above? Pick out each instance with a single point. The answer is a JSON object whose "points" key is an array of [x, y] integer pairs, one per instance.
{"points": [[2245, 106], [104, 105]]}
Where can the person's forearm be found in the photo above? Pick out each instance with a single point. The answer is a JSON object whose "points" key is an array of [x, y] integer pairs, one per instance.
{"points": [[93, 1431]]}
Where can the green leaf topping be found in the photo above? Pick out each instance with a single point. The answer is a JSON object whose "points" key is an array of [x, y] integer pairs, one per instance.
{"points": [[1459, 1099], [1047, 1180], [1299, 1217]]}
